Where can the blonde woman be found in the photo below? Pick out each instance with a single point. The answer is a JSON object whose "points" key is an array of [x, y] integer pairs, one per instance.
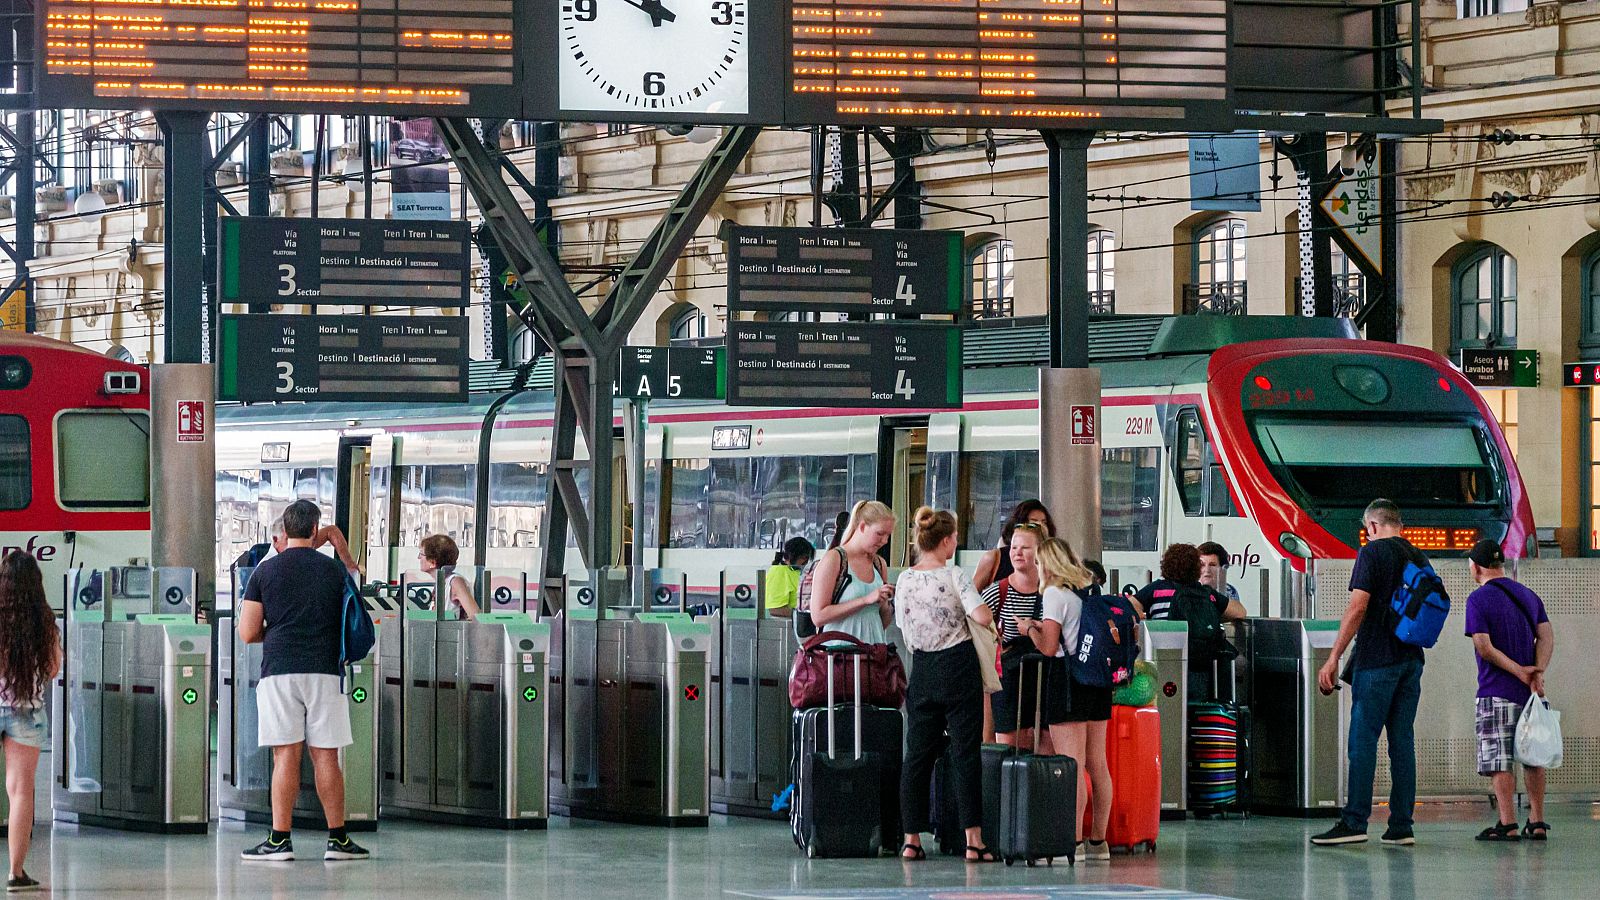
{"points": [[1017, 597], [946, 693], [864, 607], [1077, 713]]}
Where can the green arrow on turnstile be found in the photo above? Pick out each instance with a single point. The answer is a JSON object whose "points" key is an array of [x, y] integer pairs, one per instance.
{"points": [[359, 695], [530, 694], [190, 695]]}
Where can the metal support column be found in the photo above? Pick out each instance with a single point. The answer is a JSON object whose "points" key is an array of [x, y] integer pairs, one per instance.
{"points": [[1069, 247], [258, 171], [188, 318], [1308, 153], [1381, 316]]}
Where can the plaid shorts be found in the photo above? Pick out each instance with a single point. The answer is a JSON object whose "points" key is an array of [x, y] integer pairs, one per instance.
{"points": [[1497, 730]]}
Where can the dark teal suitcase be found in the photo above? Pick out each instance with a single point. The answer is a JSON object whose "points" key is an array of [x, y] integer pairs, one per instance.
{"points": [[1038, 797]]}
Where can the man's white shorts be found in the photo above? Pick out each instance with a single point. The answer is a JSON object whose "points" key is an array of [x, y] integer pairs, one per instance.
{"points": [[303, 707]]}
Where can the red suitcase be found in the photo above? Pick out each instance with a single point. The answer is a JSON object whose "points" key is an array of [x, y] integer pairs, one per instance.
{"points": [[1133, 753]]}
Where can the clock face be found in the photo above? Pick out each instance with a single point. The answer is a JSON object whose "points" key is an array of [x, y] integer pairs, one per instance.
{"points": [[668, 56]]}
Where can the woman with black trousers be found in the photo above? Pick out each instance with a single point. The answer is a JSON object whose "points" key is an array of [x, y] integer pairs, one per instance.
{"points": [[933, 602]]}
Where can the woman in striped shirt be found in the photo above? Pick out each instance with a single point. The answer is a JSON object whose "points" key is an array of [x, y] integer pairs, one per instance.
{"points": [[1019, 595]]}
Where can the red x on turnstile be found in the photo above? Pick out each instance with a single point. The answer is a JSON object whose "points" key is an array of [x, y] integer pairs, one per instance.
{"points": [[691, 692]]}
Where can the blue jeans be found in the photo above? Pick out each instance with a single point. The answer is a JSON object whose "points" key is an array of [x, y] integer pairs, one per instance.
{"points": [[1384, 698]]}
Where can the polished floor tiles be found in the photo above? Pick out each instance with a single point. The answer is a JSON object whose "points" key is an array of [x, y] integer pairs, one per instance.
{"points": [[1258, 857]]}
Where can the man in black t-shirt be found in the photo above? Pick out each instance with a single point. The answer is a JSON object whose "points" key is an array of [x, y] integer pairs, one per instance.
{"points": [[1385, 678], [294, 606]]}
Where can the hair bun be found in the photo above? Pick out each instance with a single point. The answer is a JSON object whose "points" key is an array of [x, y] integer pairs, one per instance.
{"points": [[925, 516]]}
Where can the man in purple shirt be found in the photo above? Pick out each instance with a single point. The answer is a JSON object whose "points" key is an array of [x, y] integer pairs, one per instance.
{"points": [[1514, 640]]}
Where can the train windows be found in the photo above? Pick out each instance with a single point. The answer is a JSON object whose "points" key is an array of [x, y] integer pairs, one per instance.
{"points": [[686, 523], [1130, 497], [993, 483], [1348, 463], [742, 502], [1189, 461], [16, 471], [85, 440]]}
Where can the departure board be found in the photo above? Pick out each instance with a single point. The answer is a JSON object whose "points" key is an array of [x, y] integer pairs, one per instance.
{"points": [[390, 55], [865, 270], [351, 262], [1078, 64], [899, 365], [361, 359]]}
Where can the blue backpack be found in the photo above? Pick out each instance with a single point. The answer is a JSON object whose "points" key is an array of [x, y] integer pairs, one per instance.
{"points": [[1108, 642], [1420, 604], [356, 632]]}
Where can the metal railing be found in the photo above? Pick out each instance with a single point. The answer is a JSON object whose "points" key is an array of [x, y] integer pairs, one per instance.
{"points": [[1219, 298], [1349, 294], [1102, 303]]}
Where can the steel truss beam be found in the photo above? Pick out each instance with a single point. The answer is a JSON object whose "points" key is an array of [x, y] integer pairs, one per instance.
{"points": [[585, 347]]}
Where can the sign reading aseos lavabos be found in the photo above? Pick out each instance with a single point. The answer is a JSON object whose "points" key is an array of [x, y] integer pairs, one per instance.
{"points": [[353, 262], [859, 270]]}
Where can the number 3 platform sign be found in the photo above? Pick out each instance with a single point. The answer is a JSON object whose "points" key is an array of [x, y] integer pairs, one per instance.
{"points": [[345, 262], [371, 359]]}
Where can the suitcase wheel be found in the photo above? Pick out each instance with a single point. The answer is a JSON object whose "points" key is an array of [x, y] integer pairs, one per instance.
{"points": [[1009, 862], [811, 852], [1031, 863]]}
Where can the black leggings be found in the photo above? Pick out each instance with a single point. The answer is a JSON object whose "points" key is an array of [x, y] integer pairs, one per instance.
{"points": [[945, 695]]}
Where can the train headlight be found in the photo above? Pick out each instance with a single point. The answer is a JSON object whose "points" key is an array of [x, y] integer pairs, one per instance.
{"points": [[15, 373], [1363, 383], [1294, 545]]}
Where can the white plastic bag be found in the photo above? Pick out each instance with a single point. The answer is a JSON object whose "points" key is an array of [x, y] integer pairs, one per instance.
{"points": [[1538, 741]]}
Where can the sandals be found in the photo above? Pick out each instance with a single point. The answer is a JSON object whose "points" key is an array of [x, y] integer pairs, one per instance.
{"points": [[983, 855], [915, 854], [1536, 831], [1499, 832]]}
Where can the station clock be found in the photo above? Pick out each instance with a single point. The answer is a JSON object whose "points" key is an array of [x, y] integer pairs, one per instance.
{"points": [[672, 57]]}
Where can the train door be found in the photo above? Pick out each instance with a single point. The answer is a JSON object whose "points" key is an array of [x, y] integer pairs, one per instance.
{"points": [[353, 494], [382, 519], [902, 478]]}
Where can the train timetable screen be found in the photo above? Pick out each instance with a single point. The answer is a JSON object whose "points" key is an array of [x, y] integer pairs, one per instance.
{"points": [[1089, 64], [278, 54]]}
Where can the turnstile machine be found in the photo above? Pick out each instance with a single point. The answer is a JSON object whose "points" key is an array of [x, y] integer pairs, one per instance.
{"points": [[132, 706], [750, 749], [635, 688], [463, 707], [1166, 645], [1297, 735], [244, 767]]}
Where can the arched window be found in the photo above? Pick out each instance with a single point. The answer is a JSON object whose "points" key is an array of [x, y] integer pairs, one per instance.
{"points": [[1483, 291], [1103, 271], [994, 279], [1218, 268], [1589, 337], [689, 324]]}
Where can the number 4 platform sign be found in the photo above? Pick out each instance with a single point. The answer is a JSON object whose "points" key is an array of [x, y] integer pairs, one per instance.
{"points": [[871, 365]]}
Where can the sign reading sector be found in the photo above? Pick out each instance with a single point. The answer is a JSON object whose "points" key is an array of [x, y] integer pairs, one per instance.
{"points": [[844, 270], [355, 262], [847, 364], [368, 359], [399, 55], [1096, 64], [677, 373]]}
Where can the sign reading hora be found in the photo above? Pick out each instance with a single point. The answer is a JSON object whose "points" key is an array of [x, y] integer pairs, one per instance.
{"points": [[411, 359], [847, 364]]}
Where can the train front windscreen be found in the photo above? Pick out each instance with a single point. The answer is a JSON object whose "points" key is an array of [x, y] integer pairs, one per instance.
{"points": [[1330, 432]]}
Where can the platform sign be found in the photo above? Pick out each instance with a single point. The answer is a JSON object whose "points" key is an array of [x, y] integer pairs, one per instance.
{"points": [[353, 262], [846, 364], [365, 359], [861, 270], [1501, 368], [396, 56], [1083, 64], [671, 373]]}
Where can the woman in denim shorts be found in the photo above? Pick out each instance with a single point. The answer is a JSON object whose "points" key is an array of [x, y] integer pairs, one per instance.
{"points": [[30, 655]]}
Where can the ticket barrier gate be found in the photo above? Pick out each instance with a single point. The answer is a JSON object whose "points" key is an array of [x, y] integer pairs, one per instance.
{"points": [[132, 706], [244, 767], [637, 723], [1297, 735], [463, 706], [1166, 645], [750, 762]]}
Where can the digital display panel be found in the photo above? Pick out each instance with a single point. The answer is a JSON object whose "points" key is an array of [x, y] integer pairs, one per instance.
{"points": [[352, 262], [884, 365], [1089, 64], [396, 55], [359, 359], [870, 270]]}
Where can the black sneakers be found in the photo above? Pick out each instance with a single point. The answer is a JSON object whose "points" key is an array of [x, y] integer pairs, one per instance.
{"points": [[20, 883], [268, 851], [1401, 836], [1341, 833], [346, 849]]}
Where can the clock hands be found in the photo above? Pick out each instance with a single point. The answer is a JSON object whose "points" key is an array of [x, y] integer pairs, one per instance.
{"points": [[658, 13]]}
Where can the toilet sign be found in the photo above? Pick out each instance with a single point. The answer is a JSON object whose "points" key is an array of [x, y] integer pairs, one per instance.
{"points": [[191, 421], [1083, 425]]}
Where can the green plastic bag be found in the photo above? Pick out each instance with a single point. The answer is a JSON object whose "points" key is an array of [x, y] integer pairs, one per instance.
{"points": [[1141, 689]]}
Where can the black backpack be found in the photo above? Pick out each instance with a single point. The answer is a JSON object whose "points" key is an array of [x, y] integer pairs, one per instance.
{"points": [[1193, 604]]}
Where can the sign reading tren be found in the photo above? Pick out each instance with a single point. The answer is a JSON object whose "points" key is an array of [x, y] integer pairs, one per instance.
{"points": [[900, 365], [861, 270], [397, 55], [1091, 64], [354, 262], [347, 358]]}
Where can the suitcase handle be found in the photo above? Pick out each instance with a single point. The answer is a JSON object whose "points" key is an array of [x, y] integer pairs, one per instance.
{"points": [[833, 710], [1038, 694]]}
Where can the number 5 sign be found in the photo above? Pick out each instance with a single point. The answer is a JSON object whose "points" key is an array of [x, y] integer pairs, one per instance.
{"points": [[1083, 425]]}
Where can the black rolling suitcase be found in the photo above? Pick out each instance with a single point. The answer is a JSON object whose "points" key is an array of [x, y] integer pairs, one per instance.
{"points": [[947, 828], [1038, 795], [838, 802]]}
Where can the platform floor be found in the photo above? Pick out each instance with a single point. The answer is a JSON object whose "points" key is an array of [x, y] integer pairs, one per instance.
{"points": [[740, 858]]}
